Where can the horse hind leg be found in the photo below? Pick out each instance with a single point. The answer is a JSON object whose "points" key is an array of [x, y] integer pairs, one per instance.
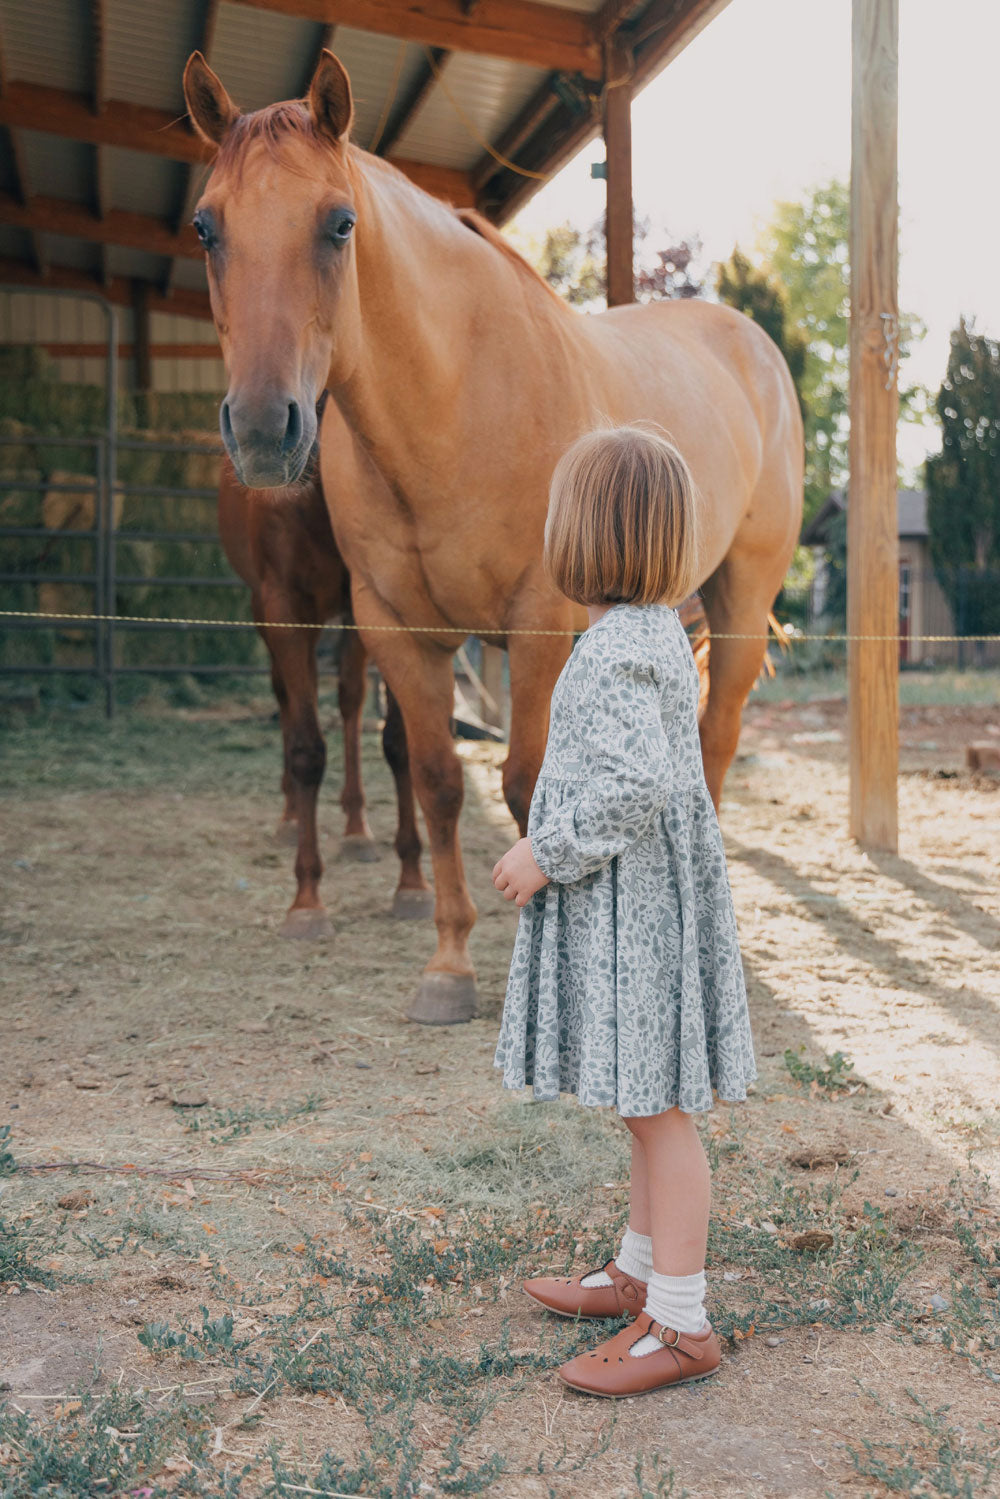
{"points": [[357, 842], [414, 899]]}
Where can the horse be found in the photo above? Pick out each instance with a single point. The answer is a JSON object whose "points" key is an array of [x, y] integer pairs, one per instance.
{"points": [[280, 543], [456, 378]]}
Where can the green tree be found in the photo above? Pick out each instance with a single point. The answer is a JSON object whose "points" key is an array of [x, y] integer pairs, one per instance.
{"points": [[963, 483], [752, 290], [573, 261], [806, 248]]}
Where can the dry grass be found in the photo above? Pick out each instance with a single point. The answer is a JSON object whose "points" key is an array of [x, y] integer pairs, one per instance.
{"points": [[307, 1282]]}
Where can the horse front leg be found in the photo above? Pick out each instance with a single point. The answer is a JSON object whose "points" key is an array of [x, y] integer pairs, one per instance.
{"points": [[420, 676], [357, 842], [414, 898], [293, 661], [535, 663]]}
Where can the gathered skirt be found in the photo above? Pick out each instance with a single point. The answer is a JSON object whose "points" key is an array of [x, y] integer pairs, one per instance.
{"points": [[626, 988]]}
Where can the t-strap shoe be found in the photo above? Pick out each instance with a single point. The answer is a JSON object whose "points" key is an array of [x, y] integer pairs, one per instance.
{"points": [[625, 1297], [613, 1369]]}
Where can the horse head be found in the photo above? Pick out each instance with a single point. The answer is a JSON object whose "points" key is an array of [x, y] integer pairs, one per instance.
{"points": [[276, 220]]}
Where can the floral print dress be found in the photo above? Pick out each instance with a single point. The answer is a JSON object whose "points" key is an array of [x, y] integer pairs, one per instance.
{"points": [[626, 985]]}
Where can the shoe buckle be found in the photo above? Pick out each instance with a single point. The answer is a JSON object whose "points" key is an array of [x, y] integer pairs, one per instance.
{"points": [[677, 1338]]}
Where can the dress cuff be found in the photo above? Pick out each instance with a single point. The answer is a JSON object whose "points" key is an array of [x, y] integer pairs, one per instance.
{"points": [[542, 858]]}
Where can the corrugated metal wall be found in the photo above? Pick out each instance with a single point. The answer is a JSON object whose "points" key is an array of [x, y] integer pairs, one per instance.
{"points": [[56, 323]]}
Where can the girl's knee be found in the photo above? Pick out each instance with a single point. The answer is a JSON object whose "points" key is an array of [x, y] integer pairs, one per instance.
{"points": [[646, 1126]]}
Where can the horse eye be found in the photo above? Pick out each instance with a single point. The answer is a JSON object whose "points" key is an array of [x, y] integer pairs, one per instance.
{"points": [[205, 231], [339, 226]]}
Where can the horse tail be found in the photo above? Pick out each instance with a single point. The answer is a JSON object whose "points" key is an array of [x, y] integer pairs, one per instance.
{"points": [[695, 621]]}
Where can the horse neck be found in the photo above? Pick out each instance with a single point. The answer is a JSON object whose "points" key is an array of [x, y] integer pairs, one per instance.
{"points": [[442, 313]]}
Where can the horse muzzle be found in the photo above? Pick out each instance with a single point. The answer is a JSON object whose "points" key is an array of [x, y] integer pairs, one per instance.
{"points": [[269, 441]]}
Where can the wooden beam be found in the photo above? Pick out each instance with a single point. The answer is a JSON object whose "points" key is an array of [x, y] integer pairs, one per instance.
{"points": [[189, 303], [412, 101], [663, 30], [619, 217], [441, 182], [140, 332], [144, 129], [85, 350], [548, 36], [872, 524], [34, 106], [135, 231]]}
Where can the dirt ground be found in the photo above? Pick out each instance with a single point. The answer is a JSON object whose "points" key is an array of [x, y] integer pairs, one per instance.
{"points": [[287, 1258]]}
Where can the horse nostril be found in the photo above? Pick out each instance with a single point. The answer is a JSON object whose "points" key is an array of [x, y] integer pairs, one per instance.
{"points": [[293, 431], [226, 424]]}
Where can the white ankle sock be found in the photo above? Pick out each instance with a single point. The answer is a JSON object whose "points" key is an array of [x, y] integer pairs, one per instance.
{"points": [[675, 1301], [635, 1258]]}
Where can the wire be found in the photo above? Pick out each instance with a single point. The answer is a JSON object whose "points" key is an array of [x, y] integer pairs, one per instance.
{"points": [[390, 98], [449, 629], [480, 140]]}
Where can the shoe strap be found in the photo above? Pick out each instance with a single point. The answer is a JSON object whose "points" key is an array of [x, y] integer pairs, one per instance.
{"points": [[689, 1343]]}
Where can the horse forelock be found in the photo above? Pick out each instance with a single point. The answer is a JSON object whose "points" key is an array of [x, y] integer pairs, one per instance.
{"points": [[273, 128]]}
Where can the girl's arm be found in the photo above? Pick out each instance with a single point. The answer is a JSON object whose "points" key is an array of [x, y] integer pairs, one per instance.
{"points": [[622, 727]]}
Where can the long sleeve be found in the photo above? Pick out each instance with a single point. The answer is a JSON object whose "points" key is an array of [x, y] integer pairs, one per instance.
{"points": [[627, 777]]}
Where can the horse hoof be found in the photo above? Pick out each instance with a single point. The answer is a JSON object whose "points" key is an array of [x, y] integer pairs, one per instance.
{"points": [[359, 848], [286, 834], [413, 905], [307, 924], [444, 999]]}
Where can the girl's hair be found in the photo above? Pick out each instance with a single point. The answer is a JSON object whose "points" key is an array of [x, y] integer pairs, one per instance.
{"points": [[621, 522]]}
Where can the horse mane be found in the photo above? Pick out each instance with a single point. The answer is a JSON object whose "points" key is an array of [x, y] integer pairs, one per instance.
{"points": [[276, 122], [491, 234]]}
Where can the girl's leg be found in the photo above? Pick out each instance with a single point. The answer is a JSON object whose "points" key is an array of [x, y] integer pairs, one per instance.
{"points": [[677, 1185], [672, 1192]]}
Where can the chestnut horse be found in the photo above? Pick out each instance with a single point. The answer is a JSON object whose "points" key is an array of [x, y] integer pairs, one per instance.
{"points": [[280, 543], [461, 377]]}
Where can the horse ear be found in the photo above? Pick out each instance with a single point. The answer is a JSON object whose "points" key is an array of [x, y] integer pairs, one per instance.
{"points": [[210, 107], [330, 102]]}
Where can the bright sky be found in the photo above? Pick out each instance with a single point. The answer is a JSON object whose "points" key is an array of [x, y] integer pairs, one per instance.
{"points": [[758, 109]]}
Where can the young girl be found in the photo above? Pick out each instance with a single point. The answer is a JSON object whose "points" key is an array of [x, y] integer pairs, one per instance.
{"points": [[626, 985]]}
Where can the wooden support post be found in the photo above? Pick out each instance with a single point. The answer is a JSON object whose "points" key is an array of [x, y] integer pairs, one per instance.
{"points": [[872, 524], [140, 337], [492, 705], [618, 218]]}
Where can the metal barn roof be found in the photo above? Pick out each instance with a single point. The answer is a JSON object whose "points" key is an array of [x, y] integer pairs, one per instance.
{"points": [[99, 168]]}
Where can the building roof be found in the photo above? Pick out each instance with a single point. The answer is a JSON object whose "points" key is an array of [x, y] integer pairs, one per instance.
{"points": [[911, 515], [99, 167]]}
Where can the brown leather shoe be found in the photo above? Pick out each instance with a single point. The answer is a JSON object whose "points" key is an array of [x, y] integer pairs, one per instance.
{"points": [[625, 1297], [613, 1370]]}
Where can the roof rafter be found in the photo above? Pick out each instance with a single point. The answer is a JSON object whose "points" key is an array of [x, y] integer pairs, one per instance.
{"points": [[547, 36], [414, 99], [119, 290], [20, 168]]}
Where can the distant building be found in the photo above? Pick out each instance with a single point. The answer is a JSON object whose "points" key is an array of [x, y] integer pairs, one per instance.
{"points": [[923, 607]]}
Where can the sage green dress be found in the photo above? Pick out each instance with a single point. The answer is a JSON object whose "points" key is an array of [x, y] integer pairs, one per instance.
{"points": [[626, 984]]}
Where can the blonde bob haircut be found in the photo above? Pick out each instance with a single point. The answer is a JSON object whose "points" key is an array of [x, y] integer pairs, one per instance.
{"points": [[621, 525]]}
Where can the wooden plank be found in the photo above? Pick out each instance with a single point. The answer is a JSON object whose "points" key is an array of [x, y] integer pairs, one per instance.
{"points": [[85, 350], [140, 331], [187, 302], [441, 182], [872, 525], [413, 101], [548, 36], [134, 231], [33, 106], [619, 213]]}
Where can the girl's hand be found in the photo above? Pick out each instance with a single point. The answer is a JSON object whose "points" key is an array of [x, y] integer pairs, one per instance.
{"points": [[516, 875]]}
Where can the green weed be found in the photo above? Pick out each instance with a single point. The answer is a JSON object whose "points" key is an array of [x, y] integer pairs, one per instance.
{"points": [[835, 1077], [946, 1461]]}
